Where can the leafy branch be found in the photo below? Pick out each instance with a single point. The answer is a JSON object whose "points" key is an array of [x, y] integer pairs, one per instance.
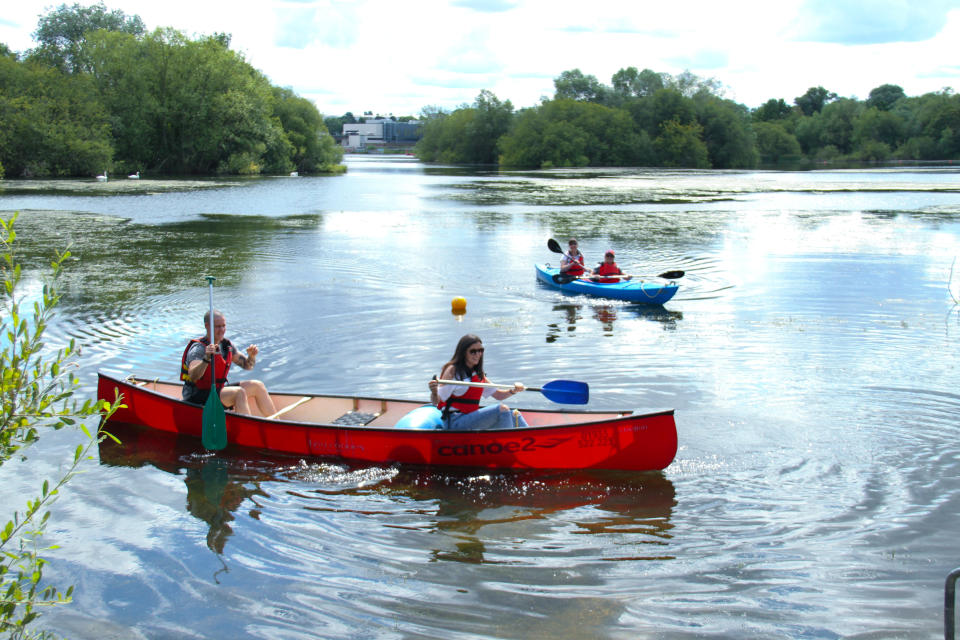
{"points": [[36, 389]]}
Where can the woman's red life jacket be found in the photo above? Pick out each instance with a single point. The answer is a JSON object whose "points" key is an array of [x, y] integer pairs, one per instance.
{"points": [[576, 267], [468, 402], [222, 365], [608, 269]]}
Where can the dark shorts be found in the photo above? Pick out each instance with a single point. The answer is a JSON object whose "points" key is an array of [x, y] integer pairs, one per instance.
{"points": [[194, 395]]}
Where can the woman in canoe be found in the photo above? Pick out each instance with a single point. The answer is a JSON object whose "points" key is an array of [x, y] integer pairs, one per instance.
{"points": [[460, 405], [608, 268]]}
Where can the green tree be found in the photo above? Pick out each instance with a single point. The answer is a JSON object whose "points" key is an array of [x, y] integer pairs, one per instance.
{"points": [[814, 100], [774, 143], [444, 138], [201, 108], [885, 96], [688, 84], [630, 83], [53, 124], [574, 85], [37, 388], [680, 145], [664, 105], [121, 71], [809, 133], [311, 146], [875, 125], [468, 135], [772, 109], [937, 116], [918, 148], [839, 119], [492, 121], [61, 33], [565, 133], [873, 151], [726, 132]]}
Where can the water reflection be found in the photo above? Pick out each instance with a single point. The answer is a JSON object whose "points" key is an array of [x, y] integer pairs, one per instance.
{"points": [[637, 505], [216, 485], [634, 503], [468, 505], [606, 315]]}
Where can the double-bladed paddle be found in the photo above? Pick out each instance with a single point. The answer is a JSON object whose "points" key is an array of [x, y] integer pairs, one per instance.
{"points": [[214, 433], [559, 391], [562, 278]]}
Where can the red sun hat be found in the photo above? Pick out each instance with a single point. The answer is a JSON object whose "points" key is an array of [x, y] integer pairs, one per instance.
{"points": [[609, 252]]}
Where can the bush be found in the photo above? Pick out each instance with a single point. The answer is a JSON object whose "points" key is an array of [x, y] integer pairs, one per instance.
{"points": [[36, 387]]}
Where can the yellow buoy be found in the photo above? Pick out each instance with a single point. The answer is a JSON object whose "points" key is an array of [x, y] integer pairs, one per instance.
{"points": [[458, 305]]}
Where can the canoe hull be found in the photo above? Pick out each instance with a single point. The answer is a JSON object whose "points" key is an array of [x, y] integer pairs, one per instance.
{"points": [[558, 440], [630, 291]]}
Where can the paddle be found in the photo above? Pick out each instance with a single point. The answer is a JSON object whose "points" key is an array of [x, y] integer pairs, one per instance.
{"points": [[214, 434], [560, 278], [559, 391]]}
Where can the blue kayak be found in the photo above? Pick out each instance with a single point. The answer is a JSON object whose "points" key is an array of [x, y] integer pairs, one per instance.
{"points": [[631, 290]]}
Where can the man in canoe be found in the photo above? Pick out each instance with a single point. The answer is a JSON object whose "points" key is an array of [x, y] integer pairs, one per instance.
{"points": [[460, 404], [196, 372], [571, 264], [608, 268]]}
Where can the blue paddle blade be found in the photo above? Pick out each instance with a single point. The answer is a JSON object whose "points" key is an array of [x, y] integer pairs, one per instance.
{"points": [[566, 392], [214, 434]]}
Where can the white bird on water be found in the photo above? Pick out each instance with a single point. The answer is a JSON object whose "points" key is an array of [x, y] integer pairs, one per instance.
{"points": [[102, 178], [134, 176]]}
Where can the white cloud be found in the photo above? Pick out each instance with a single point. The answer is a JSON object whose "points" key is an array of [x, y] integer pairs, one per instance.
{"points": [[875, 22]]}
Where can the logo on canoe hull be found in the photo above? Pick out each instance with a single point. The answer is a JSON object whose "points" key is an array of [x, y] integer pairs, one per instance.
{"points": [[497, 447]]}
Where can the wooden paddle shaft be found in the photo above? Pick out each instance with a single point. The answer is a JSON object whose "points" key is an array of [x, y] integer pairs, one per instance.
{"points": [[488, 385]]}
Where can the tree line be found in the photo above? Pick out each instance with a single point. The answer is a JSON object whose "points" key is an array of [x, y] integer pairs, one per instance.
{"points": [[100, 93], [645, 118]]}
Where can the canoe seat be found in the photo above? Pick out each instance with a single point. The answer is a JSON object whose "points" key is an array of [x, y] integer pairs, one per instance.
{"points": [[356, 418]]}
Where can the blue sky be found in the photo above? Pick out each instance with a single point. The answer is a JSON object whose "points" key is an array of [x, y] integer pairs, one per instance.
{"points": [[390, 57]]}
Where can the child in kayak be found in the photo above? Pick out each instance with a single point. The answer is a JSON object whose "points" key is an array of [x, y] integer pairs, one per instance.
{"points": [[460, 405], [608, 268]]}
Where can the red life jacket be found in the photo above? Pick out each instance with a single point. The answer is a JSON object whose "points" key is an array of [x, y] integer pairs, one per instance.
{"points": [[576, 267], [468, 402], [222, 365], [608, 269]]}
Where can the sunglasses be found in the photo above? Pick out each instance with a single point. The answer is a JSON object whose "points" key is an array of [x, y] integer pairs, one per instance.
{"points": [[474, 352]]}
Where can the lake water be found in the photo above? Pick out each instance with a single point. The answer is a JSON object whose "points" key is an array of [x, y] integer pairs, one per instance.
{"points": [[810, 355]]}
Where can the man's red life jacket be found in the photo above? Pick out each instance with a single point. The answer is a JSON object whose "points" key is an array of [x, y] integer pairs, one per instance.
{"points": [[468, 402], [222, 365], [608, 269]]}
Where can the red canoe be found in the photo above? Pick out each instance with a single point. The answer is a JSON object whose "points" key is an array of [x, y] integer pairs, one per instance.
{"points": [[362, 429]]}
